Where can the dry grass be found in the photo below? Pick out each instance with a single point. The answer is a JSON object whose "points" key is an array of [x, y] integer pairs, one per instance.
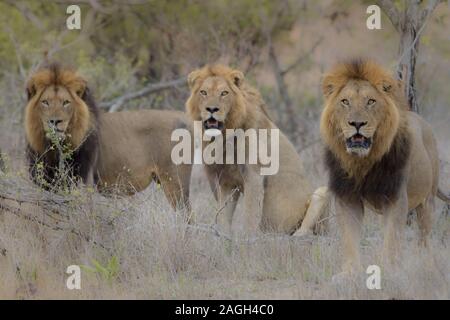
{"points": [[160, 257]]}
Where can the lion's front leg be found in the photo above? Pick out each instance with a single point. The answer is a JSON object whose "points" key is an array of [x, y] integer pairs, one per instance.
{"points": [[253, 200], [350, 218], [227, 198], [394, 221]]}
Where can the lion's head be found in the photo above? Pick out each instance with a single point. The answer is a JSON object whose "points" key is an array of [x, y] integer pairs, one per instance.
{"points": [[221, 99], [363, 113], [56, 102]]}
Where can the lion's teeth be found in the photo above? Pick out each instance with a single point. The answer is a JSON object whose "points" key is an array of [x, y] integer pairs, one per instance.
{"points": [[212, 132]]}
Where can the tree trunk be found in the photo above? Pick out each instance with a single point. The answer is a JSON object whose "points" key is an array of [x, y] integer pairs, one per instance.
{"points": [[408, 51], [409, 23], [2, 164], [286, 102]]}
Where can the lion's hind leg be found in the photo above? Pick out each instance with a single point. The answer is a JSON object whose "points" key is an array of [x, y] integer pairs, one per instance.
{"points": [[319, 203], [394, 224], [424, 213], [176, 188]]}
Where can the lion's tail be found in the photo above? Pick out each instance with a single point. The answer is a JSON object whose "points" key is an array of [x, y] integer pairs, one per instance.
{"points": [[441, 195]]}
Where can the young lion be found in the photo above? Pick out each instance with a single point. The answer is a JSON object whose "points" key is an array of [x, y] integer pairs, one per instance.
{"points": [[378, 154], [221, 99]]}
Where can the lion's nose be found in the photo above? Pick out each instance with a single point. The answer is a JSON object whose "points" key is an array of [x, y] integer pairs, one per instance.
{"points": [[357, 125], [54, 122], [212, 109]]}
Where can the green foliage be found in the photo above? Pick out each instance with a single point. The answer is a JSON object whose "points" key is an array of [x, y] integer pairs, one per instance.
{"points": [[108, 272], [62, 181], [129, 45]]}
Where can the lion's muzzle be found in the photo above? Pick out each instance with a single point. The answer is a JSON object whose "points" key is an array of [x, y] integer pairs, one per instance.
{"points": [[358, 144], [55, 125], [212, 123]]}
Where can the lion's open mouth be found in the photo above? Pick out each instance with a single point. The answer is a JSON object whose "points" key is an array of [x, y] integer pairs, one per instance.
{"points": [[358, 141], [212, 123]]}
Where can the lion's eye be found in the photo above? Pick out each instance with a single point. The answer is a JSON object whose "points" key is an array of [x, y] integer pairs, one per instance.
{"points": [[66, 103], [203, 92], [224, 93], [371, 102], [345, 102], [45, 103]]}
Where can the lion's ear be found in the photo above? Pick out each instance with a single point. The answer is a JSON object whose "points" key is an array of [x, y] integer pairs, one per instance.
{"points": [[237, 77], [79, 86], [401, 85], [192, 77], [31, 89], [386, 86], [327, 86]]}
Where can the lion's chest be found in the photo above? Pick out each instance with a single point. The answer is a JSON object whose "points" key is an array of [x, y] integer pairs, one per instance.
{"points": [[227, 175], [380, 185]]}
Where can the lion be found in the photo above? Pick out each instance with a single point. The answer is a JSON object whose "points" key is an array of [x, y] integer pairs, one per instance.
{"points": [[378, 154], [135, 150], [60, 105], [120, 152], [221, 99]]}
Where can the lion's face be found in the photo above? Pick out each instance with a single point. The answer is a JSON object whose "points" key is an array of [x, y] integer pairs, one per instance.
{"points": [[55, 103], [359, 109], [56, 109], [362, 115], [215, 98]]}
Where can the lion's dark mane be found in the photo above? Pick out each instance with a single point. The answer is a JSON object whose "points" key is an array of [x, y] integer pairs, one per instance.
{"points": [[84, 158], [381, 185]]}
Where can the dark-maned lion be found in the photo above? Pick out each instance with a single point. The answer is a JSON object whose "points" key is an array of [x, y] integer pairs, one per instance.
{"points": [[378, 154], [135, 150], [121, 152], [59, 102]]}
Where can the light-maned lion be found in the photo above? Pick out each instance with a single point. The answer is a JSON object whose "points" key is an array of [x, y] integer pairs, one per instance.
{"points": [[121, 151], [378, 154], [222, 99]]}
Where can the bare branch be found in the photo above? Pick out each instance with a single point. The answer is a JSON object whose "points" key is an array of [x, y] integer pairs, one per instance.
{"points": [[237, 241], [302, 58], [117, 103], [27, 13], [54, 226], [432, 4], [17, 51], [410, 48], [282, 87], [391, 11], [60, 212]]}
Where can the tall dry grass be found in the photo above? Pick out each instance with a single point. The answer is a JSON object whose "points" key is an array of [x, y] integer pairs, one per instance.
{"points": [[160, 257]]}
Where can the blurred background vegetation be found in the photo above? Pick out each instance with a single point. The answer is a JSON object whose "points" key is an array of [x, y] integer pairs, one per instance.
{"points": [[282, 46]]}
